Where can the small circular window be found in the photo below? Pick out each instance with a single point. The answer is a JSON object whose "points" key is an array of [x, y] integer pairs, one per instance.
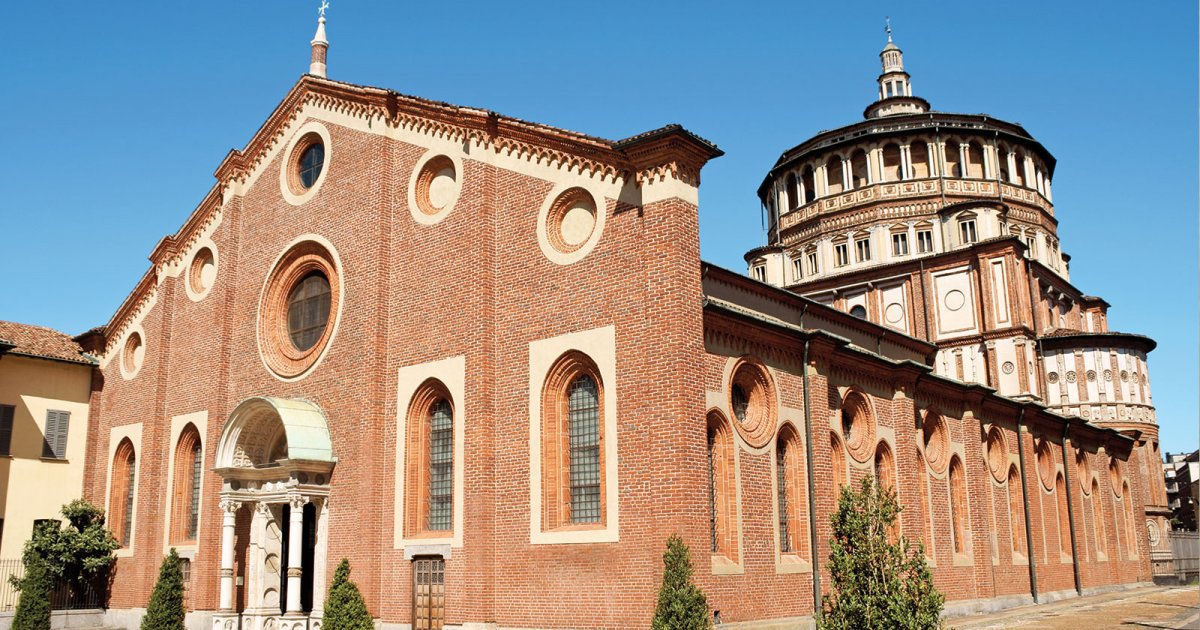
{"points": [[859, 311], [299, 309], [308, 310], [312, 160], [202, 273], [752, 402], [569, 225], [437, 186], [132, 355], [936, 439], [858, 425]]}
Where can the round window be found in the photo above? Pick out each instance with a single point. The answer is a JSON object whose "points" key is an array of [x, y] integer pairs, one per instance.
{"points": [[312, 159], [437, 186], [997, 455], [859, 311], [752, 401], [308, 310], [937, 441], [203, 271], [1047, 471], [858, 426], [299, 309], [132, 355]]}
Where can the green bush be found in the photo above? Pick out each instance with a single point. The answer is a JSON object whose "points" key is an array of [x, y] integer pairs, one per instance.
{"points": [[876, 583], [33, 608], [681, 604], [77, 551], [344, 608], [165, 611]]}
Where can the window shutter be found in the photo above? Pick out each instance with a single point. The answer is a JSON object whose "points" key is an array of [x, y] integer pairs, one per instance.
{"points": [[55, 444], [6, 427]]}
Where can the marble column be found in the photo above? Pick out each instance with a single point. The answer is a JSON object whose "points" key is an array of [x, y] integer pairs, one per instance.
{"points": [[295, 548], [229, 510]]}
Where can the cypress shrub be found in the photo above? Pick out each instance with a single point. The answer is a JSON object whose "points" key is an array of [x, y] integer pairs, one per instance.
{"points": [[165, 611], [877, 582], [344, 608], [681, 604], [33, 608]]}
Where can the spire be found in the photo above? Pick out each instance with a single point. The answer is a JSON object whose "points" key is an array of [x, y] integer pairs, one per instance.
{"points": [[320, 45], [895, 85]]}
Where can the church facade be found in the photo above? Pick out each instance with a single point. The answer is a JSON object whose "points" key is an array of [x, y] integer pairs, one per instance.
{"points": [[481, 359]]}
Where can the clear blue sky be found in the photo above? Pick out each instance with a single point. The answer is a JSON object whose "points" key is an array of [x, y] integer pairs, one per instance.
{"points": [[116, 115]]}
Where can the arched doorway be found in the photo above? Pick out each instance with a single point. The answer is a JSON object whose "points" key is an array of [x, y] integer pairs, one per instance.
{"points": [[275, 458]]}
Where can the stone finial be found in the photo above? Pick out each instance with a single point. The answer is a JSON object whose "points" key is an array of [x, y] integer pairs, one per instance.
{"points": [[320, 45]]}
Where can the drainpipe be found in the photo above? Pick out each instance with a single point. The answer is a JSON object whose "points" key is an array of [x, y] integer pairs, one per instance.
{"points": [[812, 500], [1070, 507], [1033, 590]]}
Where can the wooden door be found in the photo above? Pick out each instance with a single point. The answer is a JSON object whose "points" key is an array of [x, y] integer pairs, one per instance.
{"points": [[429, 593]]}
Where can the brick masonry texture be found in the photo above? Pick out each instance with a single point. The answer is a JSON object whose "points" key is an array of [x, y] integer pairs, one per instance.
{"points": [[476, 284]]}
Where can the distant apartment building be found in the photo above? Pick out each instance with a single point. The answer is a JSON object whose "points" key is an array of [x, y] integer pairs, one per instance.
{"points": [[1181, 472], [45, 385]]}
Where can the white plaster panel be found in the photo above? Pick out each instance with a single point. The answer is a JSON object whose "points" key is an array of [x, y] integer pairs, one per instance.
{"points": [[115, 436], [200, 420], [1069, 365], [857, 299], [1006, 352], [895, 307], [999, 290], [600, 345], [955, 302], [1089, 365], [452, 372]]}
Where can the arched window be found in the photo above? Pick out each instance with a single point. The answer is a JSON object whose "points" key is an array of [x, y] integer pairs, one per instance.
{"points": [[1018, 172], [833, 175], [919, 154], [958, 505], [185, 499], [789, 478], [1064, 521], [794, 194], [858, 169], [1016, 511], [722, 489], [1098, 528], [974, 166], [951, 154], [572, 435], [885, 476], [429, 461], [1130, 520], [891, 163], [123, 489], [837, 460], [806, 179]]}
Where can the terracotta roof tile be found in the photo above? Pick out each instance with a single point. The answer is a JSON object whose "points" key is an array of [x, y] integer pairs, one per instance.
{"points": [[39, 341]]}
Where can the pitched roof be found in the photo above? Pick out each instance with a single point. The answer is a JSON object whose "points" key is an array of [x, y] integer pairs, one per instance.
{"points": [[41, 342]]}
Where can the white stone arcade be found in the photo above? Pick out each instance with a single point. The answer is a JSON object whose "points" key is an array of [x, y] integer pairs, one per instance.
{"points": [[275, 457]]}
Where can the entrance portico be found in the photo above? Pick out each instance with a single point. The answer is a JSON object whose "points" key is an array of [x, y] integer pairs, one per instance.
{"points": [[275, 457]]}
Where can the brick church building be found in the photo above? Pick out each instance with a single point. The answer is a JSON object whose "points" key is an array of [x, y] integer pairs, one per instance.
{"points": [[482, 359]]}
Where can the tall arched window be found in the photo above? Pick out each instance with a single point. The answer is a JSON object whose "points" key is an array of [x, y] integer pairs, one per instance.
{"points": [[958, 504], [891, 163], [185, 498], [974, 166], [1130, 520], [806, 178], [722, 490], [951, 157], [1018, 172], [572, 439], [789, 478], [885, 476], [121, 496], [837, 460], [1016, 511], [919, 153], [1064, 521], [429, 461], [858, 169], [793, 192], [833, 175], [1098, 527]]}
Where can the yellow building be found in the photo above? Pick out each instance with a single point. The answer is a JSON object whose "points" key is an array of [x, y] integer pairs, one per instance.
{"points": [[45, 384]]}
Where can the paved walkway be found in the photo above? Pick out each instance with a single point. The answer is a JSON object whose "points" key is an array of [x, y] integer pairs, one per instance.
{"points": [[1176, 608]]}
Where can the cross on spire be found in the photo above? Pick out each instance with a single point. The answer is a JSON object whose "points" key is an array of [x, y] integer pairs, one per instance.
{"points": [[887, 20], [324, 5]]}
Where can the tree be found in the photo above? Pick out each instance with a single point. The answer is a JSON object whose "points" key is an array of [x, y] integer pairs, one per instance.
{"points": [[33, 608], [876, 582], [344, 608], [77, 551], [681, 604], [165, 611]]}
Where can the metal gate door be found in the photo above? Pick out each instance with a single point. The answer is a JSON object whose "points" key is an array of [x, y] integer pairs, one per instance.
{"points": [[429, 593]]}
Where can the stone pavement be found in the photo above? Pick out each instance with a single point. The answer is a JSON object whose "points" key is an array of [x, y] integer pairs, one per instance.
{"points": [[1176, 607]]}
